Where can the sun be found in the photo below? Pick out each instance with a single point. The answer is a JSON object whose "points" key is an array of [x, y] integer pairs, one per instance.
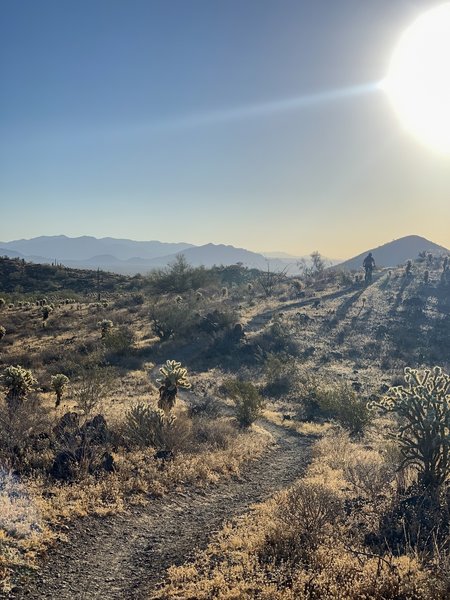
{"points": [[418, 78]]}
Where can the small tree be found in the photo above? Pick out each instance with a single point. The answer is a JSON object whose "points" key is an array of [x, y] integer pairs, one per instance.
{"points": [[423, 406], [174, 376], [18, 383], [58, 383], [248, 401]]}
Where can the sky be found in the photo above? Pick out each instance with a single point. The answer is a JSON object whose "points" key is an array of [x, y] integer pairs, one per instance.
{"points": [[256, 123]]}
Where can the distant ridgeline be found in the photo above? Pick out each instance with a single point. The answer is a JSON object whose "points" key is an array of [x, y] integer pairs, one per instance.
{"points": [[18, 276]]}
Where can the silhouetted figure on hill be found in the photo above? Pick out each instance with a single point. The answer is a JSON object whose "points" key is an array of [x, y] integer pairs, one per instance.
{"points": [[369, 265]]}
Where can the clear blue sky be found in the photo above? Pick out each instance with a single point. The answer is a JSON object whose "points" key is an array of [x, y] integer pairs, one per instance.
{"points": [[183, 120]]}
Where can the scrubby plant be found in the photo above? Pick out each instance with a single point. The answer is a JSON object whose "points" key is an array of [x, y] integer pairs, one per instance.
{"points": [[423, 406], [172, 320], [18, 383], [105, 326], [2, 332], [344, 405], [93, 386], [58, 383], [118, 342], [280, 374], [2, 302], [173, 377], [145, 426], [248, 401]]}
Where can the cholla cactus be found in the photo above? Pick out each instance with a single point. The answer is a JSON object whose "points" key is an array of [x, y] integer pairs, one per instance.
{"points": [[18, 383], [105, 327], [46, 310], [423, 405], [174, 376], [58, 383], [2, 332]]}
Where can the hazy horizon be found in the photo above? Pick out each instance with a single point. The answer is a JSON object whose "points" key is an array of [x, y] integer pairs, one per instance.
{"points": [[256, 124]]}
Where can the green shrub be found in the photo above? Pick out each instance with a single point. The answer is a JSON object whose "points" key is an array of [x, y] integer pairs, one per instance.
{"points": [[280, 374], [248, 401], [119, 341], [343, 404], [172, 320]]}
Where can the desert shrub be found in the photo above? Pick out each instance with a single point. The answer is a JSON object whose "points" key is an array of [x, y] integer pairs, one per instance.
{"points": [[203, 407], [280, 375], [310, 392], [423, 407], [342, 403], [2, 332], [173, 377], [369, 474], [146, 426], [18, 383], [248, 401], [305, 516], [2, 302], [216, 433], [58, 384], [24, 434], [178, 277], [119, 341], [277, 338], [172, 320], [92, 387]]}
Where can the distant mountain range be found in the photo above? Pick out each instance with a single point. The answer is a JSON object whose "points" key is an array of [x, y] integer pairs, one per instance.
{"points": [[129, 257], [395, 253]]}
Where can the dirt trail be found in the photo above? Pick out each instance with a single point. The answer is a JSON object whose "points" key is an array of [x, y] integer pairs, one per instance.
{"points": [[124, 557]]}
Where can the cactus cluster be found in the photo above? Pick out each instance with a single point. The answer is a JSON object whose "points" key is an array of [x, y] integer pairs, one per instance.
{"points": [[173, 377], [423, 405], [105, 326], [58, 383], [18, 383]]}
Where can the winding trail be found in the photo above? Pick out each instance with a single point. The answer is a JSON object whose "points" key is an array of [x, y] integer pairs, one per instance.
{"points": [[124, 557]]}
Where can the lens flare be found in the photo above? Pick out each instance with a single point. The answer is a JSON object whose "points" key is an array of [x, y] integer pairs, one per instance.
{"points": [[418, 79]]}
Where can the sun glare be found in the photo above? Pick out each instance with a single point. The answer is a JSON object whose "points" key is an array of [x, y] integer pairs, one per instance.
{"points": [[418, 79]]}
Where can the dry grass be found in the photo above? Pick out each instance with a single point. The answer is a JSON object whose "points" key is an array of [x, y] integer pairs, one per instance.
{"points": [[304, 544]]}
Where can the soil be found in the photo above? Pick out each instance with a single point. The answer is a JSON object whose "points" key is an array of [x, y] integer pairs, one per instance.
{"points": [[125, 556]]}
